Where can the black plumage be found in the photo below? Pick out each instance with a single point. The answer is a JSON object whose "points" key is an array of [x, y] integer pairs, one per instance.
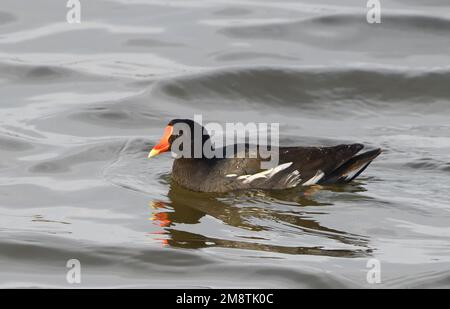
{"points": [[296, 166]]}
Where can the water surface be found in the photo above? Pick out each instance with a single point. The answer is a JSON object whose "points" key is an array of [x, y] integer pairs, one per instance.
{"points": [[82, 104]]}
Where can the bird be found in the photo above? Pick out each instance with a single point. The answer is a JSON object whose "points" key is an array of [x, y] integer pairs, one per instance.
{"points": [[297, 165]]}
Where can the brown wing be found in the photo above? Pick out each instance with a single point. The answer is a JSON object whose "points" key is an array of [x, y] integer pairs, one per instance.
{"points": [[297, 165], [311, 161]]}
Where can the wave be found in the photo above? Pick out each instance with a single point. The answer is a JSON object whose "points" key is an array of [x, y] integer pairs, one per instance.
{"points": [[6, 18], [305, 87], [399, 34], [151, 267], [250, 56], [14, 144], [42, 74], [429, 164], [66, 163], [425, 2]]}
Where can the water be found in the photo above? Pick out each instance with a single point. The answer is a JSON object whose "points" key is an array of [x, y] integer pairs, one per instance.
{"points": [[81, 105]]}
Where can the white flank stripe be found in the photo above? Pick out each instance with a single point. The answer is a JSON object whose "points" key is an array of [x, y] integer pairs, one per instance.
{"points": [[278, 168], [314, 179], [267, 174]]}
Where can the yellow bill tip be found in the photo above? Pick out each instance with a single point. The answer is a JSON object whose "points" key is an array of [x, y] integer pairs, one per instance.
{"points": [[153, 153]]}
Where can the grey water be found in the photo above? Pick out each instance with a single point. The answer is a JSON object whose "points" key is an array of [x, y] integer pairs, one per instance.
{"points": [[82, 104]]}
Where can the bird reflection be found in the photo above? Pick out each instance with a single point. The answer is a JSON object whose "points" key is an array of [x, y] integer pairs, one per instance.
{"points": [[187, 207]]}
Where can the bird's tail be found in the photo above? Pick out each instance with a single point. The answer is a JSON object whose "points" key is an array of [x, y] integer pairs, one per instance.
{"points": [[352, 168]]}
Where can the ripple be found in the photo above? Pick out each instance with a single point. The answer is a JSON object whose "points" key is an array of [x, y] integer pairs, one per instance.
{"points": [[397, 34], [118, 115], [128, 266], [65, 163], [429, 164], [307, 87], [43, 72], [6, 18], [232, 11], [425, 2], [14, 144], [21, 73], [64, 27], [145, 42], [239, 56]]}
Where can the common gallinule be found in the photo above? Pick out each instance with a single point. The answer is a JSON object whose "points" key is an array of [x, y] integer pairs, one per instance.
{"points": [[297, 165]]}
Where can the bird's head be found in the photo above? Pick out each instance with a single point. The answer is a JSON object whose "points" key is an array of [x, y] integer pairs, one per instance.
{"points": [[177, 130]]}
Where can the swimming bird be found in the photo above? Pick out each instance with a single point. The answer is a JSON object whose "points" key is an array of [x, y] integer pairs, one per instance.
{"points": [[297, 166]]}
